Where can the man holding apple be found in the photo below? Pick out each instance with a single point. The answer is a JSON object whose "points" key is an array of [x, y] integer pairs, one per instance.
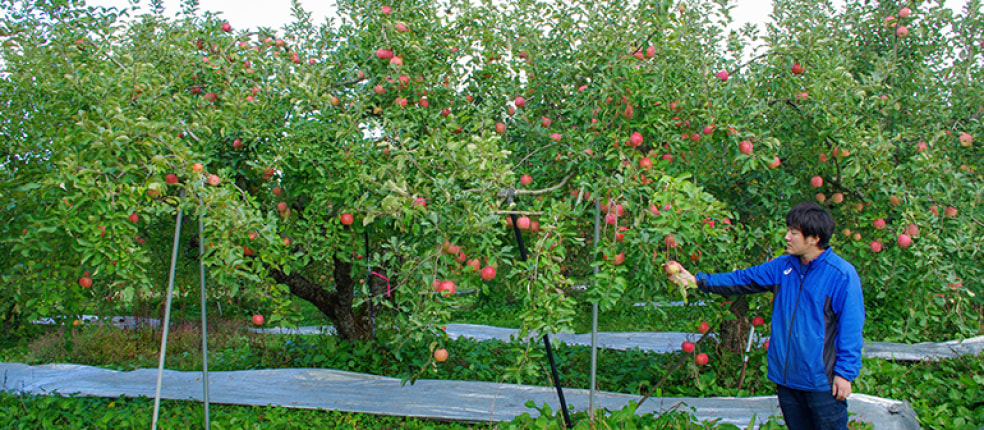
{"points": [[817, 319]]}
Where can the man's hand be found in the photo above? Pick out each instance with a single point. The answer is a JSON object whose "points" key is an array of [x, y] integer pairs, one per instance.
{"points": [[678, 275], [842, 388]]}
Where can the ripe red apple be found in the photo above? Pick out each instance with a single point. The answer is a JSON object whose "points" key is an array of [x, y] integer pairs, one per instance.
{"points": [[556, 137], [912, 230], [346, 219], [709, 129], [816, 181], [966, 140], [85, 282], [902, 31], [619, 258], [879, 223], [500, 128], [701, 359], [636, 139], [440, 355], [384, 54], [277, 191], [379, 89], [488, 273], [545, 122], [226, 27], [237, 144], [798, 69], [757, 321], [950, 212], [922, 147], [704, 327], [645, 163], [401, 27], [446, 288], [904, 12], [420, 201], [214, 180], [258, 319], [672, 268], [856, 236], [134, 218], [670, 241], [687, 346], [519, 101], [822, 157], [821, 197], [611, 218], [171, 178], [875, 246], [766, 345], [247, 252], [904, 240], [722, 75], [653, 209], [282, 206], [386, 10], [620, 236], [837, 197], [197, 167], [775, 162], [745, 147], [523, 223], [526, 179]]}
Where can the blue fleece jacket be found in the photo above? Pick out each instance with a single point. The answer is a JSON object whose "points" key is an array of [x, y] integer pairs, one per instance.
{"points": [[817, 316]]}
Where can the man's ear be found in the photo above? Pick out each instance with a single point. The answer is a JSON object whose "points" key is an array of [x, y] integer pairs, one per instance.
{"points": [[813, 240]]}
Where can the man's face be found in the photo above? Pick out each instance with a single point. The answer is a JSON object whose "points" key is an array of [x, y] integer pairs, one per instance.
{"points": [[797, 244]]}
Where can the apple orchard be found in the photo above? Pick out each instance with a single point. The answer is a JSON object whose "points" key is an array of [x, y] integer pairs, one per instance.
{"points": [[402, 140]]}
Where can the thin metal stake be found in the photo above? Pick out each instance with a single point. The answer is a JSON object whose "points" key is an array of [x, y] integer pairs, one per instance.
{"points": [[594, 319], [167, 316], [201, 275]]}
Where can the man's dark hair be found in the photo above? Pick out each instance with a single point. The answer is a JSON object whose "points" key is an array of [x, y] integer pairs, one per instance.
{"points": [[812, 219]]}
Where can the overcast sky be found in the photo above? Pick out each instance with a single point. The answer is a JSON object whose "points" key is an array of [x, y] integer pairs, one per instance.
{"points": [[252, 14]]}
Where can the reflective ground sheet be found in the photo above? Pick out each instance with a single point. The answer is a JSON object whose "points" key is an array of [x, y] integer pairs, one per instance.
{"points": [[443, 400]]}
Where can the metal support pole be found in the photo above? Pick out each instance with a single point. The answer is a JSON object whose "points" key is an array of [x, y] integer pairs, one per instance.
{"points": [[594, 320], [201, 275], [167, 316]]}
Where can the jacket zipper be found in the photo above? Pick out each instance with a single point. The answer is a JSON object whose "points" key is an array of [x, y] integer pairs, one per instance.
{"points": [[792, 321]]}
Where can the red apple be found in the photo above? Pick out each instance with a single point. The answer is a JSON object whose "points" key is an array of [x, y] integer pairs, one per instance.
{"points": [[822, 157], [226, 27], [611, 218], [798, 69], [904, 12], [837, 197], [949, 212], [523, 223], [401, 27], [709, 129], [277, 191], [519, 101], [766, 345], [85, 282], [704, 327], [966, 140], [912, 230], [816, 182], [922, 147], [879, 223], [384, 54], [446, 288], [701, 359], [757, 321], [500, 128], [745, 147], [134, 218], [171, 178], [282, 206], [379, 89], [645, 163], [258, 319], [775, 162], [722, 75], [556, 137], [821, 197], [902, 31], [440, 355], [526, 179], [904, 240], [687, 346], [488, 273], [545, 122], [346, 219], [875, 246], [237, 144], [636, 139], [197, 167], [386, 10], [214, 180]]}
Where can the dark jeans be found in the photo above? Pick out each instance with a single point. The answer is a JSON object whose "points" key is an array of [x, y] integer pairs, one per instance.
{"points": [[803, 410]]}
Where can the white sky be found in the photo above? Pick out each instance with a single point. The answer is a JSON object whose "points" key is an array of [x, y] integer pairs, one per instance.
{"points": [[252, 14]]}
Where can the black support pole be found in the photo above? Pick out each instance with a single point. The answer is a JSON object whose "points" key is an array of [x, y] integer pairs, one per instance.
{"points": [[556, 378]]}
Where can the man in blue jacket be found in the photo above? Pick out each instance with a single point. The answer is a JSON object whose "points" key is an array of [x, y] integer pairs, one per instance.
{"points": [[817, 319]]}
